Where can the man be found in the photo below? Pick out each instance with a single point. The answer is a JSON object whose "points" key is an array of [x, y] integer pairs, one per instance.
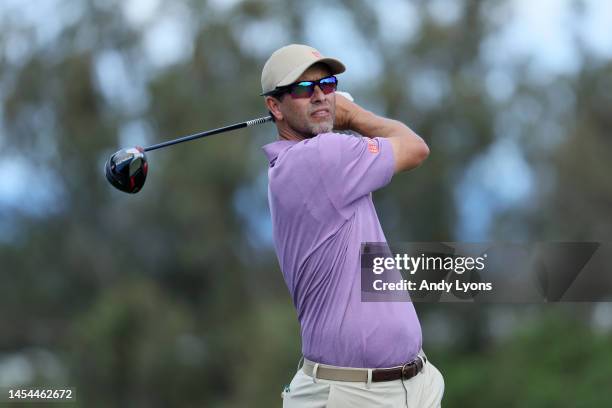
{"points": [[356, 354]]}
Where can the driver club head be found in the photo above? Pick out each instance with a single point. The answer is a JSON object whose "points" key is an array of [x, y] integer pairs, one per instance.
{"points": [[127, 169]]}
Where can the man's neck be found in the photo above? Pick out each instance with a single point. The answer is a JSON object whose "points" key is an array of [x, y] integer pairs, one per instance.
{"points": [[287, 133]]}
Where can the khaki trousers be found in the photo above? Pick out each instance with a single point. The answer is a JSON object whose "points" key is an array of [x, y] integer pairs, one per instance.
{"points": [[423, 390]]}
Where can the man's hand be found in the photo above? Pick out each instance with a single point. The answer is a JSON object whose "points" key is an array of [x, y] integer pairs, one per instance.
{"points": [[346, 111]]}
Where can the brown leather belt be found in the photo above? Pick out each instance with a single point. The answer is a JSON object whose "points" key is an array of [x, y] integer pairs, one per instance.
{"points": [[328, 372]]}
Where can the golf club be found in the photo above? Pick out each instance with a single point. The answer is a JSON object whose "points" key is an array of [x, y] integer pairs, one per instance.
{"points": [[127, 169]]}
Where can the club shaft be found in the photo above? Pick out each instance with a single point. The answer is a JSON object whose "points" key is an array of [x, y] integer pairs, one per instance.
{"points": [[210, 133]]}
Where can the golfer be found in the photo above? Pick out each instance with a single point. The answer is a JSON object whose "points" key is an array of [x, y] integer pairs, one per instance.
{"points": [[356, 354]]}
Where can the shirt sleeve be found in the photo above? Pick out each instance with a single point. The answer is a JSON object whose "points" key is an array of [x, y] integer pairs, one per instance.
{"points": [[353, 167]]}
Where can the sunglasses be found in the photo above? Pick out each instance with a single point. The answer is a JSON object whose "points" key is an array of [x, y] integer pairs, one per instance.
{"points": [[305, 89]]}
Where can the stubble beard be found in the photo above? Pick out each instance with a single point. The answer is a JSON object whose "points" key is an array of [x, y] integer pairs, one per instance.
{"points": [[313, 128], [318, 128]]}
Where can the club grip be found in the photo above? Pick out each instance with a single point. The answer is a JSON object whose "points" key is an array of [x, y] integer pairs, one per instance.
{"points": [[258, 121]]}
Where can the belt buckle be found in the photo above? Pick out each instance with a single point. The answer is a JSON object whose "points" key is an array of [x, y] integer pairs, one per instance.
{"points": [[405, 371]]}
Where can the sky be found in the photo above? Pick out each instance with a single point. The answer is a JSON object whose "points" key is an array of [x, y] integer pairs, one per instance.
{"points": [[543, 30]]}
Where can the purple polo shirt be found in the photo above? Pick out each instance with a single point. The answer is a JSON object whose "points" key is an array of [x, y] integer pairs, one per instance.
{"points": [[319, 195]]}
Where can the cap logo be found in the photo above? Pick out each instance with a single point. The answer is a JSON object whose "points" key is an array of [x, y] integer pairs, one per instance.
{"points": [[372, 146], [316, 54]]}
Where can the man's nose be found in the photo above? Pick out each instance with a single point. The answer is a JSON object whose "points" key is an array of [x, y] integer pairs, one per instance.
{"points": [[318, 94]]}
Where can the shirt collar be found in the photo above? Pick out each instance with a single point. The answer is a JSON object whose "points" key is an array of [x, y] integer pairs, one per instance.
{"points": [[272, 150]]}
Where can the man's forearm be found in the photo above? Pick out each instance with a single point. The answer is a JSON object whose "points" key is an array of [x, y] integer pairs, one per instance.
{"points": [[369, 124]]}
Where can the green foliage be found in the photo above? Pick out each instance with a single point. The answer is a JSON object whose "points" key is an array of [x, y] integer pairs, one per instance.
{"points": [[137, 347], [555, 361]]}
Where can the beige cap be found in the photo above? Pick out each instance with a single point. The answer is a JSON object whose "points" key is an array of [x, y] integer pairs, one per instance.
{"points": [[286, 64]]}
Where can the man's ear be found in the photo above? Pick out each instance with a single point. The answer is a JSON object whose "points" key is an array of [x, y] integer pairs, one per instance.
{"points": [[273, 105]]}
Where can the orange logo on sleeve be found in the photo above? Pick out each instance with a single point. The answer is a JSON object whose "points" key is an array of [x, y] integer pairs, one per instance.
{"points": [[372, 146]]}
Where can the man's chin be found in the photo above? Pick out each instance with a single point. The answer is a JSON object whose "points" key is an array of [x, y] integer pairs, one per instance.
{"points": [[319, 129]]}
